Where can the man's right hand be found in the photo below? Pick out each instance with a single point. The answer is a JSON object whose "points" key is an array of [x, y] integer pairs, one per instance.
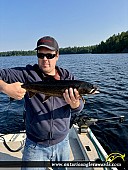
{"points": [[13, 90]]}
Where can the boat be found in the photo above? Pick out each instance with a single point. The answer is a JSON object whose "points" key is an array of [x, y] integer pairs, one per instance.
{"points": [[85, 150]]}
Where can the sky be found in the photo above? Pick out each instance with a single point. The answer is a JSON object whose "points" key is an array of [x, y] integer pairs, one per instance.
{"points": [[70, 22]]}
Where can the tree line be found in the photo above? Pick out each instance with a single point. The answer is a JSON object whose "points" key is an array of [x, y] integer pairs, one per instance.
{"points": [[18, 53], [114, 44]]}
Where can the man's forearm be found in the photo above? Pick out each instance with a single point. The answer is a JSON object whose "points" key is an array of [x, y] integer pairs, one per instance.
{"points": [[2, 86]]}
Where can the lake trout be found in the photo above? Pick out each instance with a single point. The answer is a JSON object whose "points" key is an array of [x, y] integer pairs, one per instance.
{"points": [[58, 87]]}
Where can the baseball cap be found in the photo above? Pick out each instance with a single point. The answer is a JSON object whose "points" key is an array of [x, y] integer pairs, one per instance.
{"points": [[48, 42]]}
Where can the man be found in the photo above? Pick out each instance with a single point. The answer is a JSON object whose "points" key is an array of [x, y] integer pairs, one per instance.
{"points": [[47, 123]]}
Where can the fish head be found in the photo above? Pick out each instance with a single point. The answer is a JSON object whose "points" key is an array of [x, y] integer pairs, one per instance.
{"points": [[88, 88]]}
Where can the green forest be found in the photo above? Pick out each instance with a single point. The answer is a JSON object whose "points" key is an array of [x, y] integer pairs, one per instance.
{"points": [[114, 44]]}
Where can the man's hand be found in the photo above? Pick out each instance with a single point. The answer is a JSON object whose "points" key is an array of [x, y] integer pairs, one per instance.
{"points": [[14, 90], [72, 97]]}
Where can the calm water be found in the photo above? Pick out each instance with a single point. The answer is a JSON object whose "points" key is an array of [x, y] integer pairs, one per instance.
{"points": [[108, 71]]}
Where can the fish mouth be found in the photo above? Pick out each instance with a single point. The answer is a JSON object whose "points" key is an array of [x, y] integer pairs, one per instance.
{"points": [[94, 91]]}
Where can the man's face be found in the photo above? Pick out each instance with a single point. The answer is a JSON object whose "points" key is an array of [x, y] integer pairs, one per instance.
{"points": [[45, 64]]}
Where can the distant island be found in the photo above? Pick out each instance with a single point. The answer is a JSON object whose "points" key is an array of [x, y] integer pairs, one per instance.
{"points": [[114, 44]]}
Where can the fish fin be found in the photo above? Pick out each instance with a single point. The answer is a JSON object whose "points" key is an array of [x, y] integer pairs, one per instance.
{"points": [[11, 99], [31, 94]]}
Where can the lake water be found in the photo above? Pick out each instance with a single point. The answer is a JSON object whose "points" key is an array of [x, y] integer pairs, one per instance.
{"points": [[108, 71]]}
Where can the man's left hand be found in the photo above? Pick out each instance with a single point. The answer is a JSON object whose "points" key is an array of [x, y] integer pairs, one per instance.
{"points": [[72, 97]]}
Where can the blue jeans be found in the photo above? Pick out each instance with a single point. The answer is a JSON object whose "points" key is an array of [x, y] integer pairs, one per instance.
{"points": [[37, 152]]}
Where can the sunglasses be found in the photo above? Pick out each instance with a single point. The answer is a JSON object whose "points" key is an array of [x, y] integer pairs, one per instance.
{"points": [[48, 55]]}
